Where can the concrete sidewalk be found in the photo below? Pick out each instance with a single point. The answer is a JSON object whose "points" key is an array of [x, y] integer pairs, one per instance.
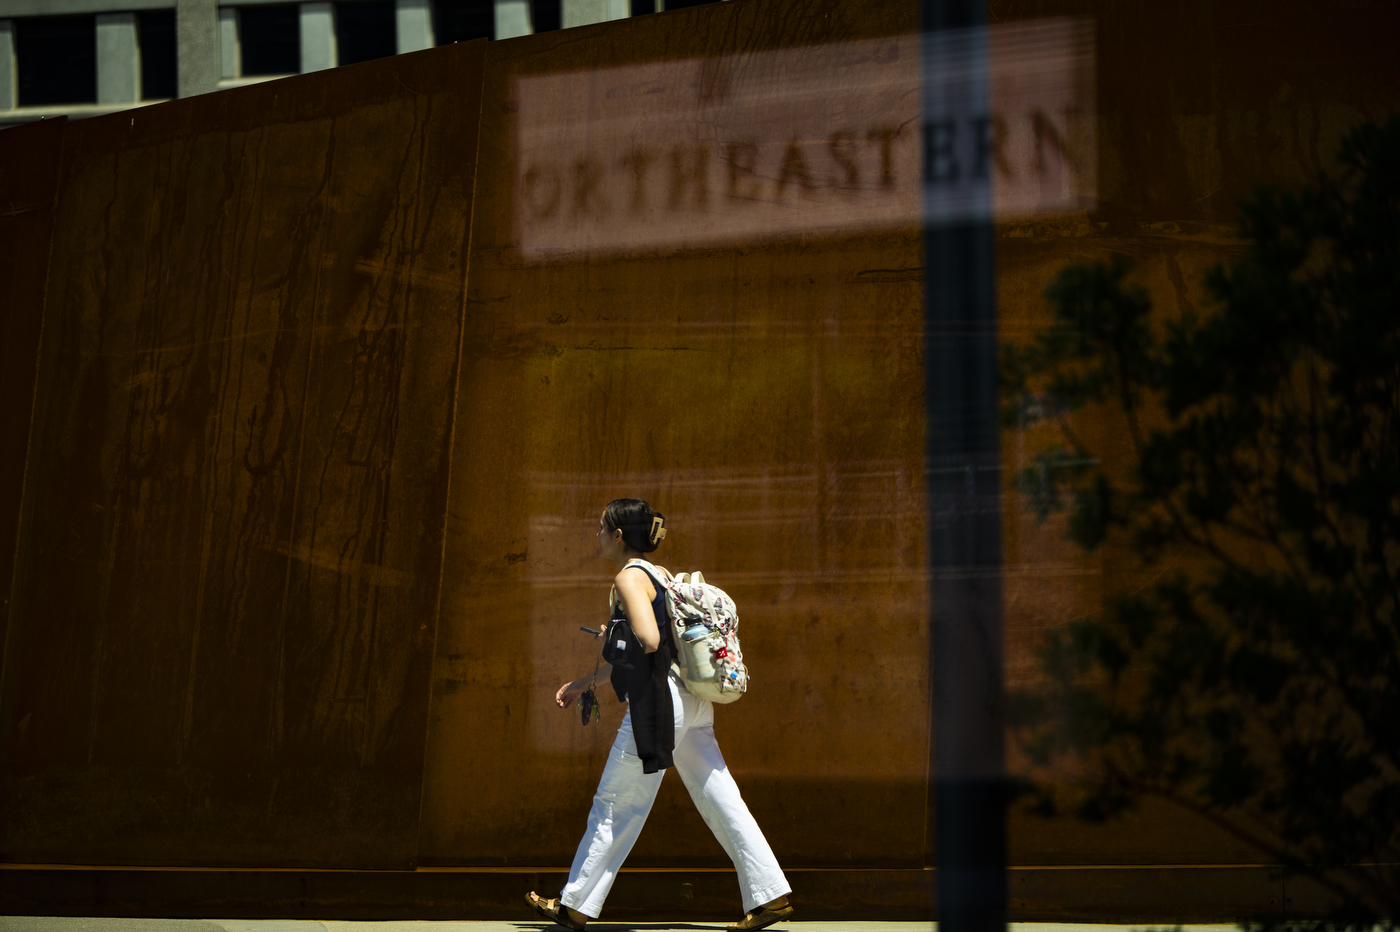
{"points": [[66, 924]]}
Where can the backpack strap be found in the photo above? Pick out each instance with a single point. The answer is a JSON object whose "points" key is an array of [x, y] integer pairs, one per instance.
{"points": [[660, 578], [653, 570], [662, 584]]}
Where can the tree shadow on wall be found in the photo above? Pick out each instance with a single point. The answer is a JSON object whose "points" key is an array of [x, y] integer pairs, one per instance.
{"points": [[1260, 688]]}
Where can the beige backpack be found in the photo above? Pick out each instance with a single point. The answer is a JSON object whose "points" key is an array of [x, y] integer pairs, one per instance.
{"points": [[704, 625]]}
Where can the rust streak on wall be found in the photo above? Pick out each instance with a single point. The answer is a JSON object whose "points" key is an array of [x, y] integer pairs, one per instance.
{"points": [[232, 545], [28, 185]]}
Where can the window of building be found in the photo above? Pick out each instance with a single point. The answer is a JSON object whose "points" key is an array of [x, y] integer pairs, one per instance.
{"points": [[461, 20], [269, 39], [156, 33], [56, 60], [364, 31]]}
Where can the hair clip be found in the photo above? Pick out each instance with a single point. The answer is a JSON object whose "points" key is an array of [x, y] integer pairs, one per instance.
{"points": [[658, 529]]}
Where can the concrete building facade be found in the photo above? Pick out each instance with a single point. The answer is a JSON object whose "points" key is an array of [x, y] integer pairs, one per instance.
{"points": [[80, 58]]}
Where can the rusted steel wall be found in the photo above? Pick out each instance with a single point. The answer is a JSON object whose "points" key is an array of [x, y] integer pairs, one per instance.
{"points": [[239, 500], [768, 397], [28, 184], [1198, 104], [230, 549]]}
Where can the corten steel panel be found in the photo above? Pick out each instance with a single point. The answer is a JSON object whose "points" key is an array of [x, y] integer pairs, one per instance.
{"points": [[767, 397], [28, 181], [231, 548], [1198, 104]]}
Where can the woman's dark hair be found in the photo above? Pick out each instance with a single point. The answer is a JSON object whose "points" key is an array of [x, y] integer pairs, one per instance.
{"points": [[642, 526]]}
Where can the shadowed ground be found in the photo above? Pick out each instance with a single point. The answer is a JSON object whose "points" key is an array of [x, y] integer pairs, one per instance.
{"points": [[50, 924]]}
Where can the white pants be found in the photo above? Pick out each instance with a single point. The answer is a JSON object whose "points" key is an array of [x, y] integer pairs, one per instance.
{"points": [[624, 799]]}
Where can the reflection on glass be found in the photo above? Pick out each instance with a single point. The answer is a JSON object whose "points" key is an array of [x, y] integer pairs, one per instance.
{"points": [[755, 144]]}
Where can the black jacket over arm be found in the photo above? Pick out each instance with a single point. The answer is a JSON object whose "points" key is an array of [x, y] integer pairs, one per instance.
{"points": [[639, 679]]}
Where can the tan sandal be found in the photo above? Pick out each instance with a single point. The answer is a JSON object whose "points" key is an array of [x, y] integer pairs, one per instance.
{"points": [[555, 911], [760, 918]]}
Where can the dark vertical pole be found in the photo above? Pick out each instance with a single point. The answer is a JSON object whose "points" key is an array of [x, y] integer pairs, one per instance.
{"points": [[967, 786]]}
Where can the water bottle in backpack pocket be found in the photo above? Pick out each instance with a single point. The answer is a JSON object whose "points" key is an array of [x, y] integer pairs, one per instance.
{"points": [[704, 623]]}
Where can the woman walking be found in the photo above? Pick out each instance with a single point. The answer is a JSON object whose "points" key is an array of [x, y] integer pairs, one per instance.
{"points": [[664, 726]]}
